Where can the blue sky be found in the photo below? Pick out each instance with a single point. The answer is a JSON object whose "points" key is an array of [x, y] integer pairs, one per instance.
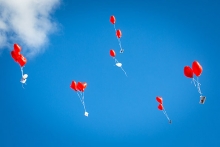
{"points": [[159, 39]]}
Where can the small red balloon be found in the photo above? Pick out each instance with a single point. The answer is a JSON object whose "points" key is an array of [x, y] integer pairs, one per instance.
{"points": [[15, 55], [197, 68], [84, 85], [80, 86], [118, 33], [112, 19], [22, 60], [159, 99], [17, 48], [160, 107], [188, 72], [74, 86], [112, 53]]}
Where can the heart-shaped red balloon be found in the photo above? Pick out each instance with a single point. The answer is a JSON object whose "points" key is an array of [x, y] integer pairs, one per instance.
{"points": [[80, 86], [159, 99], [17, 48], [74, 86], [15, 55], [112, 19], [188, 72], [22, 60], [160, 107], [84, 86], [112, 53], [118, 33], [197, 68]]}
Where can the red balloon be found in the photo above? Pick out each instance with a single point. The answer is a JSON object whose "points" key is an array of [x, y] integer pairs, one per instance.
{"points": [[160, 107], [18, 54], [197, 68], [188, 72], [112, 19], [159, 99], [15, 55], [22, 60], [74, 86], [84, 85], [17, 48], [118, 33], [80, 86], [112, 53]]}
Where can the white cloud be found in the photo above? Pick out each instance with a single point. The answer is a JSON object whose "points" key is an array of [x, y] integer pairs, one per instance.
{"points": [[26, 22]]}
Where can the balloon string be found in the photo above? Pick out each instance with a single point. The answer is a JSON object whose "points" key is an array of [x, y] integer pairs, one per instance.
{"points": [[114, 28], [165, 113], [79, 96], [82, 99], [124, 71], [22, 71], [83, 102], [80, 92], [194, 82], [116, 61], [119, 41], [197, 85]]}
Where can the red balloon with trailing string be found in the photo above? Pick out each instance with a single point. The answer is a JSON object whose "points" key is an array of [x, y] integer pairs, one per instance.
{"points": [[21, 60], [117, 31], [161, 107], [80, 87], [197, 68]]}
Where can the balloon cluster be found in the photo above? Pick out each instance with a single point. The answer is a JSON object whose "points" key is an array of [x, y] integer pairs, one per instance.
{"points": [[118, 32], [160, 101], [160, 107], [21, 60], [118, 64], [112, 52], [17, 56], [197, 70], [80, 87]]}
